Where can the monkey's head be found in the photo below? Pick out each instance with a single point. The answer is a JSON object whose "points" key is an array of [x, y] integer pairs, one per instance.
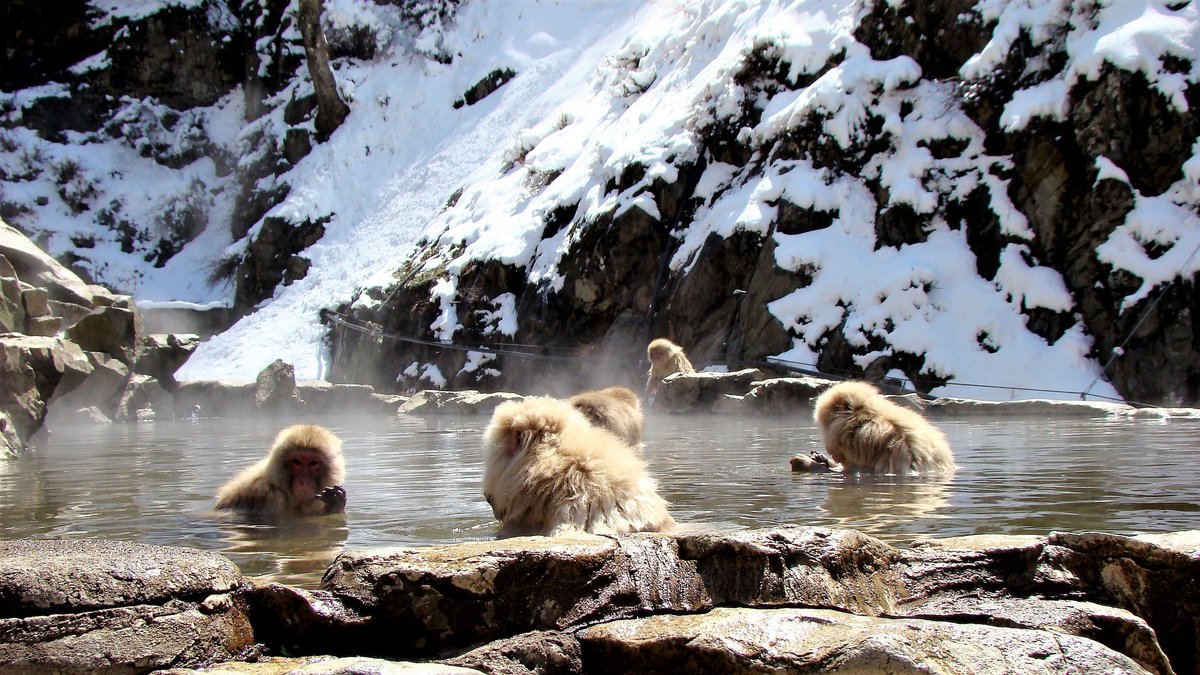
{"points": [[659, 351], [306, 459], [842, 400], [515, 436]]}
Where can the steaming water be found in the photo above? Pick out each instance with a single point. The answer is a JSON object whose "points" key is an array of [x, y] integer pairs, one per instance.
{"points": [[414, 481]]}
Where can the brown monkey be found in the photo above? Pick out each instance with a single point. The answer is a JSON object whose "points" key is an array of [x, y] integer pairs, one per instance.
{"points": [[302, 475], [550, 471], [615, 409], [666, 358], [866, 432]]}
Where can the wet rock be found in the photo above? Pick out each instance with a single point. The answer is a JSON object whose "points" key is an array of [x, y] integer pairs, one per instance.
{"points": [[782, 395], [817, 640], [86, 606], [684, 392], [325, 665], [448, 597], [1151, 577], [542, 652], [275, 389], [1028, 408], [300, 621], [434, 402]]}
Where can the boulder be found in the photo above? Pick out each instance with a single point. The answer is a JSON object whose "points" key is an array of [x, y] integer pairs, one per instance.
{"points": [[143, 399], [161, 354], [88, 606], [101, 390], [782, 395], [275, 389], [113, 329], [320, 396], [32, 370], [216, 398], [685, 392], [38, 269], [734, 639], [542, 652], [470, 402]]}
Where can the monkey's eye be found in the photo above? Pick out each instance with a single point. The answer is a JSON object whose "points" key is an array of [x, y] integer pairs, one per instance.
{"points": [[312, 464], [296, 462]]}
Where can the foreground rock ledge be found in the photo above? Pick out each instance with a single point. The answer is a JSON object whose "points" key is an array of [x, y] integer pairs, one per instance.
{"points": [[108, 606], [788, 599]]}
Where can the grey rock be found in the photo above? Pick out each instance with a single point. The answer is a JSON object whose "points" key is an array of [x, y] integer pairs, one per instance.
{"points": [[161, 354], [114, 330], [323, 665], [729, 639], [275, 389], [684, 392], [87, 606], [435, 402], [32, 370]]}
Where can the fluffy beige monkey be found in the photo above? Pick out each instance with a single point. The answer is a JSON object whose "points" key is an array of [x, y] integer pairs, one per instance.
{"points": [[302, 475], [864, 431], [548, 471], [666, 358], [615, 409]]}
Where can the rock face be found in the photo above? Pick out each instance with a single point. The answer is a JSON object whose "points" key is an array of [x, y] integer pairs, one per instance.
{"points": [[102, 606], [1021, 196]]}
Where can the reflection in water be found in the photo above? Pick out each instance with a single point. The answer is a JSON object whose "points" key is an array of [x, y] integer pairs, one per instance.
{"points": [[413, 481], [878, 504], [287, 551]]}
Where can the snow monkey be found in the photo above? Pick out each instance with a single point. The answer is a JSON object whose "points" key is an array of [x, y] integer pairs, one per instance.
{"points": [[666, 357], [549, 471], [866, 432], [615, 409], [302, 475]]}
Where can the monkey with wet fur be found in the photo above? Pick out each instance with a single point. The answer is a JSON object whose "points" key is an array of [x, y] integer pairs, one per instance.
{"points": [[549, 471], [302, 475], [865, 432], [615, 409], [666, 358]]}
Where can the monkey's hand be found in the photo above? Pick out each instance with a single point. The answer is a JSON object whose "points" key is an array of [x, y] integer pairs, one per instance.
{"points": [[334, 497], [821, 458]]}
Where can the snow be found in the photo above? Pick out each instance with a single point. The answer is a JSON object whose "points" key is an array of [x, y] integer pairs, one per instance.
{"points": [[605, 84]]}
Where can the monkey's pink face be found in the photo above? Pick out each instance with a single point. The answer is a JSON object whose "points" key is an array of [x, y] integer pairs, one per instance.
{"points": [[657, 356], [307, 470]]}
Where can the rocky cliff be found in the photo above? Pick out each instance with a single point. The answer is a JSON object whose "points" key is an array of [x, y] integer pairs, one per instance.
{"points": [[1015, 192], [931, 190]]}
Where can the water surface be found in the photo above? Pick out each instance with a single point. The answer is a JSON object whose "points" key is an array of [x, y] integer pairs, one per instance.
{"points": [[415, 481]]}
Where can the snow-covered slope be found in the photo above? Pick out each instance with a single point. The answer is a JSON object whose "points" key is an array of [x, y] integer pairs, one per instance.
{"points": [[604, 85]]}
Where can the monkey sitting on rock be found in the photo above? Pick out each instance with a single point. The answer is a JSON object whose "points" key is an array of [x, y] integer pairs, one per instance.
{"points": [[302, 475]]}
